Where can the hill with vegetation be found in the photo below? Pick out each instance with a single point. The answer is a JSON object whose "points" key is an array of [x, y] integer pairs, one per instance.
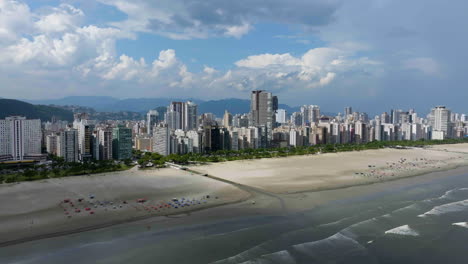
{"points": [[10, 107]]}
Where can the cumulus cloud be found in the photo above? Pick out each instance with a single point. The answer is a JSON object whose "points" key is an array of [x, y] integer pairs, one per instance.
{"points": [[52, 37], [56, 42], [317, 67], [15, 17], [60, 19]]}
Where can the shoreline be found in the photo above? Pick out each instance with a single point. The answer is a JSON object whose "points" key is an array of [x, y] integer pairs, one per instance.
{"points": [[265, 202], [152, 218]]}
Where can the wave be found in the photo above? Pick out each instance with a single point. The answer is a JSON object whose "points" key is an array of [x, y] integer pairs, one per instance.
{"points": [[283, 257], [450, 193], [458, 206], [462, 224], [333, 247], [403, 230]]}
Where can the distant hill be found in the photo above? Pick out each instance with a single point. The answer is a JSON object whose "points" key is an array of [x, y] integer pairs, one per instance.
{"points": [[142, 105], [88, 101], [217, 107], [10, 107], [111, 104]]}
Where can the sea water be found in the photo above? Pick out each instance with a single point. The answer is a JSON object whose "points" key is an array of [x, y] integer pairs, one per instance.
{"points": [[418, 223]]}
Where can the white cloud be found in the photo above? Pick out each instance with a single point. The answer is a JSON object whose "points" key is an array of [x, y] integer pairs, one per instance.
{"points": [[56, 44], [15, 17], [425, 65], [317, 67], [126, 69], [265, 60], [60, 19], [238, 31]]}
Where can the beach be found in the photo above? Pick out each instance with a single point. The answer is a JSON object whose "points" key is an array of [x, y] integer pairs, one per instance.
{"points": [[36, 209], [338, 170], [278, 186]]}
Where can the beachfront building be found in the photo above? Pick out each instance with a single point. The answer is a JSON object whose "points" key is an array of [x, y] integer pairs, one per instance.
{"points": [[161, 139], [144, 143], [20, 138], [51, 144], [67, 145], [105, 137], [440, 121], [263, 108], [122, 143]]}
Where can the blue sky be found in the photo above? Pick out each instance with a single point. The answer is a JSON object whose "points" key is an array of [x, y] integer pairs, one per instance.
{"points": [[371, 54]]}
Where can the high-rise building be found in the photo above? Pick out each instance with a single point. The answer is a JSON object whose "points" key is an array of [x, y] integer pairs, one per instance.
{"points": [[105, 143], [385, 118], [67, 145], [174, 115], [190, 116], [314, 113], [51, 144], [281, 116], [227, 119], [262, 111], [161, 142], [296, 118], [182, 115], [348, 111], [152, 118], [20, 138], [440, 121], [122, 143]]}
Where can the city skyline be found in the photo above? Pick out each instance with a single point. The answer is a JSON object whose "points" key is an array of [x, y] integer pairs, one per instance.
{"points": [[342, 53], [181, 129]]}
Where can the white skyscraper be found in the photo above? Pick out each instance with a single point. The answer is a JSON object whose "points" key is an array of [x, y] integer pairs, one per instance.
{"points": [[51, 144], [20, 138], [161, 136], [440, 121], [281, 116]]}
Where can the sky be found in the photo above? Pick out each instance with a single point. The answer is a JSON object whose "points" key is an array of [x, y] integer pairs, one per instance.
{"points": [[370, 54]]}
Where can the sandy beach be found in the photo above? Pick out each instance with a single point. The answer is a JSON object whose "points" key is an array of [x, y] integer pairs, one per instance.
{"points": [[30, 209], [33, 210], [338, 170]]}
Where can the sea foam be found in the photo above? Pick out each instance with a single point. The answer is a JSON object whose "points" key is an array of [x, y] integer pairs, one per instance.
{"points": [[403, 230], [447, 208], [462, 224]]}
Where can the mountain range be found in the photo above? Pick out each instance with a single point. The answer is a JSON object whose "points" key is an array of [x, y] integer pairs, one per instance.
{"points": [[10, 107], [142, 105]]}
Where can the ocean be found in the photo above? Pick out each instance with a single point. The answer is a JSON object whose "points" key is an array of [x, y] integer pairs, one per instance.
{"points": [[417, 223]]}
